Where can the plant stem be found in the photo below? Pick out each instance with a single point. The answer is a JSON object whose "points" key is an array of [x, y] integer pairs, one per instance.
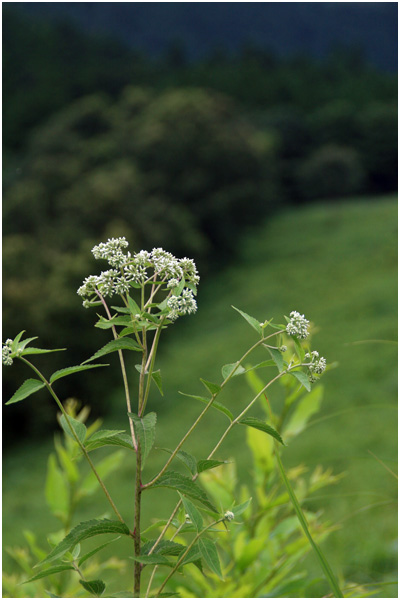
{"points": [[204, 411], [138, 481], [82, 447], [182, 558], [136, 531], [166, 526], [300, 515], [123, 370]]}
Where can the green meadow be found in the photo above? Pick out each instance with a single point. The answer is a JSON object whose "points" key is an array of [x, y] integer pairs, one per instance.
{"points": [[336, 262]]}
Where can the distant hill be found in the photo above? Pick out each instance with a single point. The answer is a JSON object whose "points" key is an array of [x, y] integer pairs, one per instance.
{"points": [[285, 28]]}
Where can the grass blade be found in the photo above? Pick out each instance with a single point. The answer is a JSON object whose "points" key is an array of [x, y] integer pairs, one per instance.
{"points": [[321, 558]]}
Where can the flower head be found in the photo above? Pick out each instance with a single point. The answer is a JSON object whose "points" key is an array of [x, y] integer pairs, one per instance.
{"points": [[229, 515], [298, 325], [317, 365], [6, 353]]}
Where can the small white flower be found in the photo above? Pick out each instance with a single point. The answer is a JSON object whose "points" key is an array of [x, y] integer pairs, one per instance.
{"points": [[229, 515]]}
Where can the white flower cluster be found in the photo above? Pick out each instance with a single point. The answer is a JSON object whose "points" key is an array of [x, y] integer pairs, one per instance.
{"points": [[6, 353], [181, 305], [229, 516], [317, 365], [134, 268], [298, 325]]}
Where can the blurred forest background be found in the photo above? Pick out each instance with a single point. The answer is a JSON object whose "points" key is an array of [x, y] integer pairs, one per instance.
{"points": [[259, 139]]}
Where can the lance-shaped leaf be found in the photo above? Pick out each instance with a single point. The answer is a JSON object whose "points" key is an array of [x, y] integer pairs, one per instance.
{"points": [[95, 587], [51, 571], [133, 307], [167, 547], [193, 513], [186, 486], [103, 323], [251, 320], [238, 510], [83, 531], [302, 377], [213, 388], [107, 437], [71, 370], [77, 426], [88, 555], [227, 370], [276, 357], [40, 351], [156, 376], [125, 343], [258, 424], [152, 559], [145, 431], [217, 405], [205, 465], [209, 553], [30, 386], [187, 459], [56, 490]]}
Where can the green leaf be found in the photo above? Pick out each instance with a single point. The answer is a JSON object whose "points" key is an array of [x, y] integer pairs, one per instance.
{"points": [[77, 426], [193, 513], [83, 531], [14, 345], [156, 376], [251, 320], [238, 510], [276, 357], [192, 556], [167, 547], [186, 486], [188, 459], [108, 437], [85, 557], [40, 351], [51, 571], [125, 343], [56, 490], [213, 388], [71, 370], [103, 468], [261, 365], [217, 405], [30, 386], [305, 409], [145, 431], [177, 291], [103, 323], [133, 307], [227, 370], [205, 465], [303, 378], [95, 587], [209, 553], [152, 559], [258, 424], [299, 349]]}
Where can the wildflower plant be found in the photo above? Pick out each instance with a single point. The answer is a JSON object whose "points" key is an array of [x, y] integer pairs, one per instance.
{"points": [[149, 291]]}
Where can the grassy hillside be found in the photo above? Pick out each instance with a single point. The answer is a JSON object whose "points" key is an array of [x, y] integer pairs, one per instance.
{"points": [[337, 264]]}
